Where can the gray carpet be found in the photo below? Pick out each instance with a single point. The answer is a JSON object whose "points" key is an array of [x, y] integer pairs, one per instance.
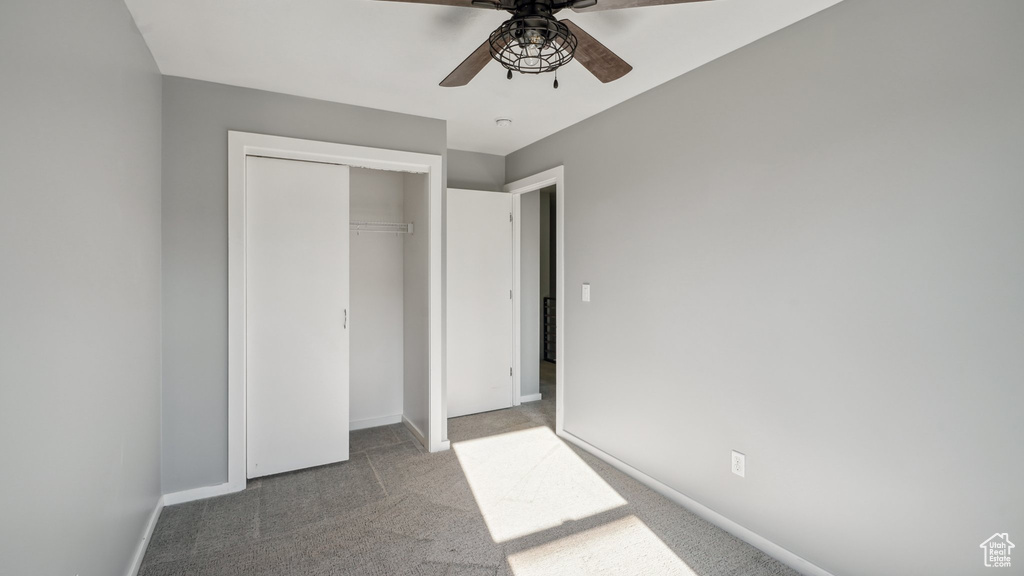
{"points": [[510, 499]]}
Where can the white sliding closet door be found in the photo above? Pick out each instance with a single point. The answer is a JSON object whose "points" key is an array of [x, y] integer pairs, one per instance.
{"points": [[297, 299], [479, 301]]}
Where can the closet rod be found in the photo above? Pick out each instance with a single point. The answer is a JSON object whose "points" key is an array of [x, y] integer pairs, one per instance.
{"points": [[394, 227]]}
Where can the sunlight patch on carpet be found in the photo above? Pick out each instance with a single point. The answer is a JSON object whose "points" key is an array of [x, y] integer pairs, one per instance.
{"points": [[619, 548], [528, 481]]}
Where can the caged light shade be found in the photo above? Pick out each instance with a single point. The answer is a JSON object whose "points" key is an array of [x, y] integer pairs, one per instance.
{"points": [[532, 44]]}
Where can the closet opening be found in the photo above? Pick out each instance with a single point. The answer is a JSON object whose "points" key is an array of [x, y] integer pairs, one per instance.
{"points": [[389, 307]]}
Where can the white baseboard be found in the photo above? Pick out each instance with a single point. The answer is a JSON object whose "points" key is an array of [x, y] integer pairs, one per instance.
{"points": [[530, 398], [226, 488], [415, 432], [201, 493], [374, 422], [147, 533], [756, 540], [441, 446]]}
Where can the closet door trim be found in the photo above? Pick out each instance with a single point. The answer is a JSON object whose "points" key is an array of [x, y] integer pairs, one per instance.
{"points": [[243, 144]]}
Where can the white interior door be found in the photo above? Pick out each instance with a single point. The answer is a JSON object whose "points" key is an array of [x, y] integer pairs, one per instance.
{"points": [[479, 301], [297, 298]]}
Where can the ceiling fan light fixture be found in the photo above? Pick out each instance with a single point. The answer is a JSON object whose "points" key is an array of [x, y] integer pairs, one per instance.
{"points": [[532, 44]]}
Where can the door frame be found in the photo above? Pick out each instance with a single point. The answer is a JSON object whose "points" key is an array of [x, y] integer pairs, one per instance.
{"points": [[555, 176], [242, 144]]}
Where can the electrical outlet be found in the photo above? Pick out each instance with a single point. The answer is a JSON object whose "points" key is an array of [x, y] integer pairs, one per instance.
{"points": [[739, 464]]}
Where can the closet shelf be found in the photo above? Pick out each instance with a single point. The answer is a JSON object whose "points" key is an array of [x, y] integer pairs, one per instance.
{"points": [[367, 226]]}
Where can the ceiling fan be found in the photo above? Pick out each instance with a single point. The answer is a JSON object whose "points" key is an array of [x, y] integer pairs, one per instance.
{"points": [[532, 41]]}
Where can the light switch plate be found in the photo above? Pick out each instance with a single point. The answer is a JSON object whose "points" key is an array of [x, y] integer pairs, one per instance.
{"points": [[586, 292]]}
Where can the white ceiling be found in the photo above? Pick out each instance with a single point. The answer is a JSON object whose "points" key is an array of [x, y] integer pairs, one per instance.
{"points": [[391, 55]]}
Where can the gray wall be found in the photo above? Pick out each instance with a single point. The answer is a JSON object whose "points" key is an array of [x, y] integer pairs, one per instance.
{"points": [[810, 251], [376, 278], [416, 365], [475, 170], [529, 293], [79, 287], [196, 118]]}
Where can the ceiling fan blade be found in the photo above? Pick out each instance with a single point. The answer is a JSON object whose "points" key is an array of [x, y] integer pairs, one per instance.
{"points": [[469, 68], [595, 57], [620, 4], [486, 4]]}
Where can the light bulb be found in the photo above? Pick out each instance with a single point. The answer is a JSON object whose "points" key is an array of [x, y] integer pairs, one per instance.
{"points": [[532, 53], [532, 43]]}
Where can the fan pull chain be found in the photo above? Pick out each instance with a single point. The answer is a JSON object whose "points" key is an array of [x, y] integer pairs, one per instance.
{"points": [[509, 75], [556, 79]]}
